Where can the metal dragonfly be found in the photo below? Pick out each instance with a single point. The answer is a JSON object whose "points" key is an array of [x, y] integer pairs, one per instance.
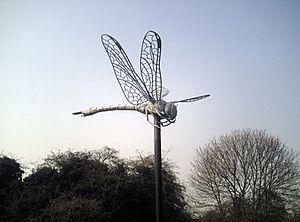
{"points": [[143, 91]]}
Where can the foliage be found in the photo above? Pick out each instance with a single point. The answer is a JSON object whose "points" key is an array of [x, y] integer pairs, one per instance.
{"points": [[247, 175], [10, 187], [96, 186]]}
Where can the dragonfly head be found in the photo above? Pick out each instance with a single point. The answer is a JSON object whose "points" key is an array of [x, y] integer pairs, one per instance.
{"points": [[166, 110], [171, 111]]}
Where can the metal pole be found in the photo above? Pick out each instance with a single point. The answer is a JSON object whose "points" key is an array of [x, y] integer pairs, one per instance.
{"points": [[158, 181]]}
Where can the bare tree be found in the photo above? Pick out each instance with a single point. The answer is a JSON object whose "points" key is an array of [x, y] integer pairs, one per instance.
{"points": [[246, 174]]}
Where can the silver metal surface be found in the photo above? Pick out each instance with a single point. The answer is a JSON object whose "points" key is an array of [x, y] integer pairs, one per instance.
{"points": [[145, 94]]}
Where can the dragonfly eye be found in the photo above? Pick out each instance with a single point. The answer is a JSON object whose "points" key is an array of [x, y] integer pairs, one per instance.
{"points": [[171, 110]]}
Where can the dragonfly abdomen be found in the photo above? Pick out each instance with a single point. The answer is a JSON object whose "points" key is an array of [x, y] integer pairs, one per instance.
{"points": [[98, 109]]}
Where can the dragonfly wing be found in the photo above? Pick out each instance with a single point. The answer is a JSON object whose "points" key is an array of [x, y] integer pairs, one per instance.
{"points": [[164, 92], [150, 65], [192, 99], [131, 84]]}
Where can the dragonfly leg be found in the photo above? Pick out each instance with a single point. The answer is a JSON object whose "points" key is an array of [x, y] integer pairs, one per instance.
{"points": [[147, 116], [152, 123], [167, 122]]}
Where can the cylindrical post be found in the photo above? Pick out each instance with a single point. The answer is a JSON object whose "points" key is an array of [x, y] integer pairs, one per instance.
{"points": [[158, 181]]}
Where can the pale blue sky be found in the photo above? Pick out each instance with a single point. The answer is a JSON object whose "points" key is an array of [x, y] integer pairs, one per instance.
{"points": [[246, 54]]}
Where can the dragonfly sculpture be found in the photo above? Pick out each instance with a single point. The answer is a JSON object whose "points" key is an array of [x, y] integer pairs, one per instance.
{"points": [[145, 94], [143, 91]]}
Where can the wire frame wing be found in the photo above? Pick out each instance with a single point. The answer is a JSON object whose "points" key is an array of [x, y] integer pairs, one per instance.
{"points": [[150, 64], [131, 84], [164, 92], [192, 99]]}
